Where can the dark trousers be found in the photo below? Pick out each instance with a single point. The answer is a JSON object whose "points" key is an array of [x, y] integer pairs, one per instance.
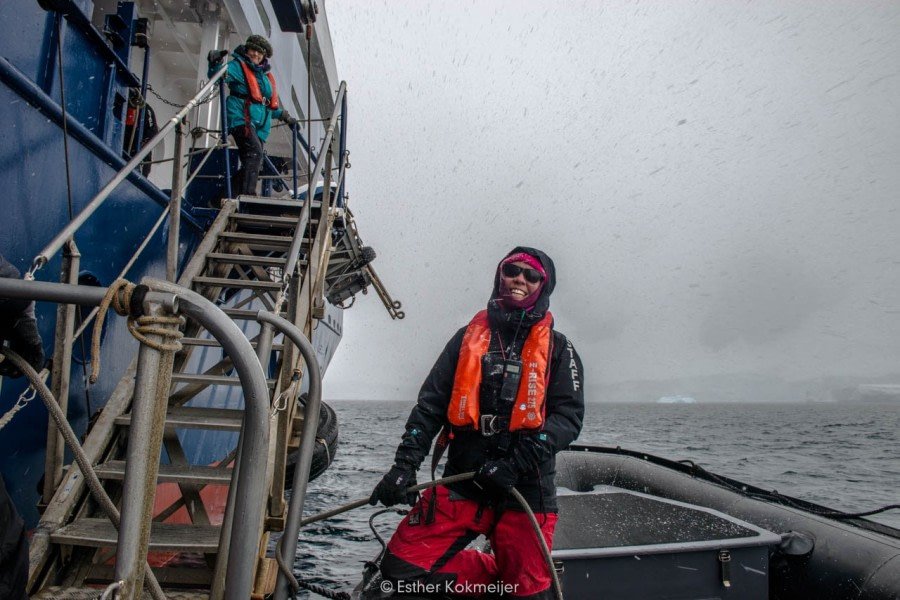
{"points": [[250, 150], [13, 550]]}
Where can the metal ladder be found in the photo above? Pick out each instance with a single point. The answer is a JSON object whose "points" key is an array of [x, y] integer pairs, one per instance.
{"points": [[239, 265]]}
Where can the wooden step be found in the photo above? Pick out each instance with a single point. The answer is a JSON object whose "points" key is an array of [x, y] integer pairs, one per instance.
{"points": [[197, 417], [164, 537], [185, 474]]}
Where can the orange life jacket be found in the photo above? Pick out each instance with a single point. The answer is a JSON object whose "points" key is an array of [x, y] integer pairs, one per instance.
{"points": [[253, 86], [528, 411]]}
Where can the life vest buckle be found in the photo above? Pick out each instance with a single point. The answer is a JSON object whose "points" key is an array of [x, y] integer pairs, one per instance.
{"points": [[490, 425]]}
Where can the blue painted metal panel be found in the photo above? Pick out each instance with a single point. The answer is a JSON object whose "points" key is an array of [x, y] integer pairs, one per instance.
{"points": [[25, 30], [35, 207], [96, 83]]}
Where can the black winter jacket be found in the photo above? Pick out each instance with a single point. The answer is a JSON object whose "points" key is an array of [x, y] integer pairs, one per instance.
{"points": [[534, 453]]}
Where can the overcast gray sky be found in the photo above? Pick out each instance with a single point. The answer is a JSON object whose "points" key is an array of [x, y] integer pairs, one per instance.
{"points": [[717, 181]]}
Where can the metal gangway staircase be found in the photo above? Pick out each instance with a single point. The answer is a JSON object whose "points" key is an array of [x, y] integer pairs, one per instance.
{"points": [[241, 265], [137, 516]]}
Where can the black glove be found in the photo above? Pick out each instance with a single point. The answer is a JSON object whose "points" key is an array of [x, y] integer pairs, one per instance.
{"points": [[287, 118], [20, 329], [497, 478], [391, 489], [216, 57]]}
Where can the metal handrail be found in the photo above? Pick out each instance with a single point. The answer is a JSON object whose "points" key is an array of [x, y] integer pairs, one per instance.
{"points": [[255, 429], [250, 472], [67, 232], [294, 252], [288, 543]]}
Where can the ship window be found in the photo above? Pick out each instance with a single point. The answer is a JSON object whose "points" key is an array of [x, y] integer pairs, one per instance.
{"points": [[296, 102], [264, 17]]}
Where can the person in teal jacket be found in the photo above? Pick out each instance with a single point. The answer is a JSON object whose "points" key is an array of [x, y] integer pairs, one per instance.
{"points": [[251, 105]]}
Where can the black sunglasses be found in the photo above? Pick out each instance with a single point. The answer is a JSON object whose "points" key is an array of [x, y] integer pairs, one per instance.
{"points": [[531, 275]]}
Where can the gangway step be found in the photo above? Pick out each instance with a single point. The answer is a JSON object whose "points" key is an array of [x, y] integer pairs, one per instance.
{"points": [[56, 592], [168, 577], [248, 259], [265, 205], [164, 537], [168, 473], [197, 417], [270, 220], [251, 284], [244, 314], [210, 343], [192, 341], [282, 241], [211, 379]]}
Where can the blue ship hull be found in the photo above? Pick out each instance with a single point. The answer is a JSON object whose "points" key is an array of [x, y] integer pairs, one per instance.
{"points": [[41, 144], [33, 172]]}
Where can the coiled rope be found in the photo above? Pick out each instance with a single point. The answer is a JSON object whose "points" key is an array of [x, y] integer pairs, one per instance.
{"points": [[119, 296]]}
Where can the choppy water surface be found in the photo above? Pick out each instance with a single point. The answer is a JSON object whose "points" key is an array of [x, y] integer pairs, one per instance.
{"points": [[841, 456]]}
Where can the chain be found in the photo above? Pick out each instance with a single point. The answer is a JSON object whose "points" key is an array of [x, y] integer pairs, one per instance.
{"points": [[208, 99], [25, 397]]}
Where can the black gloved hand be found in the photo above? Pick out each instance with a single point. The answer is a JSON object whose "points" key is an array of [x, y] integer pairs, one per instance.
{"points": [[497, 478], [17, 325], [391, 489], [287, 118], [24, 339], [216, 57]]}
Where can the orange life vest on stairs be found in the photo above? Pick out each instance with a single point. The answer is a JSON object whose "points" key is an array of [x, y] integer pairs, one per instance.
{"points": [[253, 86]]}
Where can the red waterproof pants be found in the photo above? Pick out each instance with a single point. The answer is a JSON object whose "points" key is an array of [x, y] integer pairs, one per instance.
{"points": [[434, 552]]}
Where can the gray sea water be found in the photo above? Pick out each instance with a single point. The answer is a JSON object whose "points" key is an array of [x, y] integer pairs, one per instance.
{"points": [[842, 456]]}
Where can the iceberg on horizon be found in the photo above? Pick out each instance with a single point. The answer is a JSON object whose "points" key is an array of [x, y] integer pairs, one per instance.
{"points": [[676, 400]]}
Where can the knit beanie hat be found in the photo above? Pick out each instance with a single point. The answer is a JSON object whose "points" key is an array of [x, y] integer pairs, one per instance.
{"points": [[260, 44]]}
